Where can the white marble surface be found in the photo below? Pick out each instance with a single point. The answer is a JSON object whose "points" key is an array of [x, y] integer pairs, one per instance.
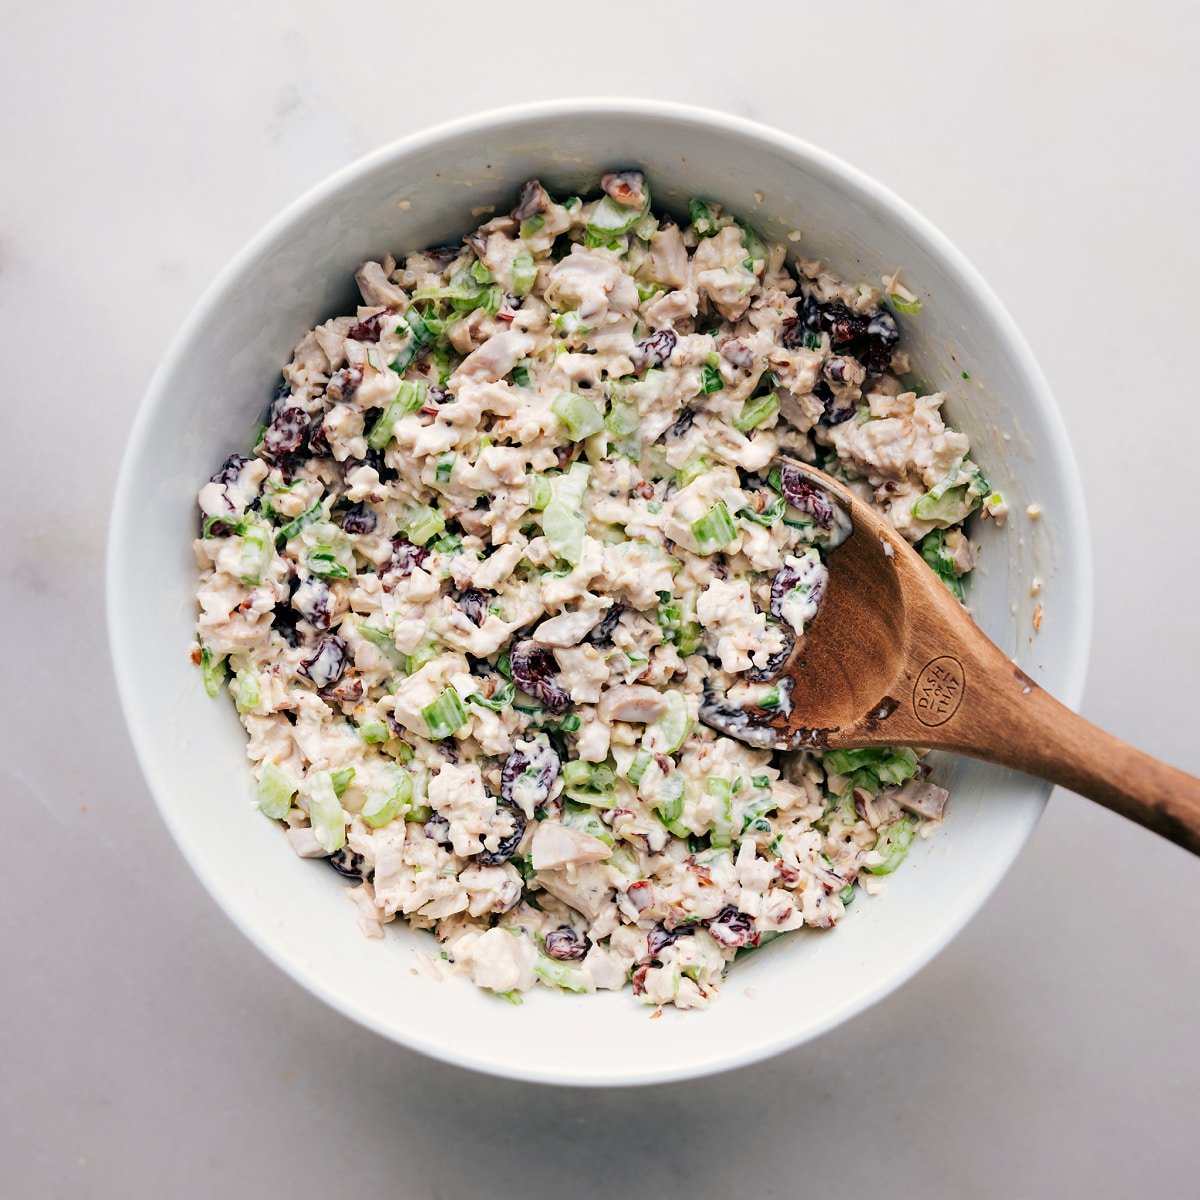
{"points": [[147, 1050]]}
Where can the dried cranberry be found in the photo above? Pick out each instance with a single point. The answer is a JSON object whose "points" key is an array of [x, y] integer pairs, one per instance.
{"points": [[437, 829], [285, 434], [279, 398], [836, 411], [625, 187], [284, 623], [800, 492], [786, 578], [314, 601], [406, 557], [534, 669], [344, 383], [809, 313], [654, 350], [348, 691], [474, 604], [659, 938], [602, 634], [791, 334], [738, 354], [683, 423], [368, 329], [358, 518], [835, 370], [843, 323], [641, 894], [638, 979], [442, 256], [534, 199], [777, 661], [347, 862], [567, 944], [882, 335], [317, 441], [375, 460], [529, 773], [507, 845], [231, 471], [328, 662], [732, 929]]}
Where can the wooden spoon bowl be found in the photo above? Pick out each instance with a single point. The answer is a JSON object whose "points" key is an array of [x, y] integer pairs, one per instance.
{"points": [[892, 659]]}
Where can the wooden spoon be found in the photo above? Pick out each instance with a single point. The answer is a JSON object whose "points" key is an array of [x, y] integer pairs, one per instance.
{"points": [[892, 659]]}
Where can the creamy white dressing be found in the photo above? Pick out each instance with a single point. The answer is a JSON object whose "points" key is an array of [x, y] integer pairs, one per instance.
{"points": [[511, 531]]}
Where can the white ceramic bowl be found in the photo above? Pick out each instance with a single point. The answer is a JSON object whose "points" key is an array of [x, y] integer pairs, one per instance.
{"points": [[207, 398]]}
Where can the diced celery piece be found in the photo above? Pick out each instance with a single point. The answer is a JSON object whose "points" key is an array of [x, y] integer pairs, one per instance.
{"points": [[322, 560], [590, 784], [423, 524], [564, 530], [755, 412], [901, 305], [670, 805], [256, 555], [539, 492], [770, 515], [445, 467], [382, 640], [894, 841], [502, 699], [947, 509], [341, 780], [385, 801], [668, 733], [691, 471], [445, 716], [524, 274], [704, 219], [899, 767], [710, 379], [285, 533], [559, 974], [715, 530], [244, 690], [585, 819], [932, 549], [212, 670], [581, 417], [325, 813], [624, 424], [410, 396], [275, 792], [637, 768], [373, 732], [610, 219], [575, 773], [571, 486], [722, 827]]}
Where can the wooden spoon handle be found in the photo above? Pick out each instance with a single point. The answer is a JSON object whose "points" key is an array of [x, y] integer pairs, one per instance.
{"points": [[973, 700]]}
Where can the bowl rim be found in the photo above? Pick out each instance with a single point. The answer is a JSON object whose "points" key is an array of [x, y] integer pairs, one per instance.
{"points": [[1079, 593]]}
